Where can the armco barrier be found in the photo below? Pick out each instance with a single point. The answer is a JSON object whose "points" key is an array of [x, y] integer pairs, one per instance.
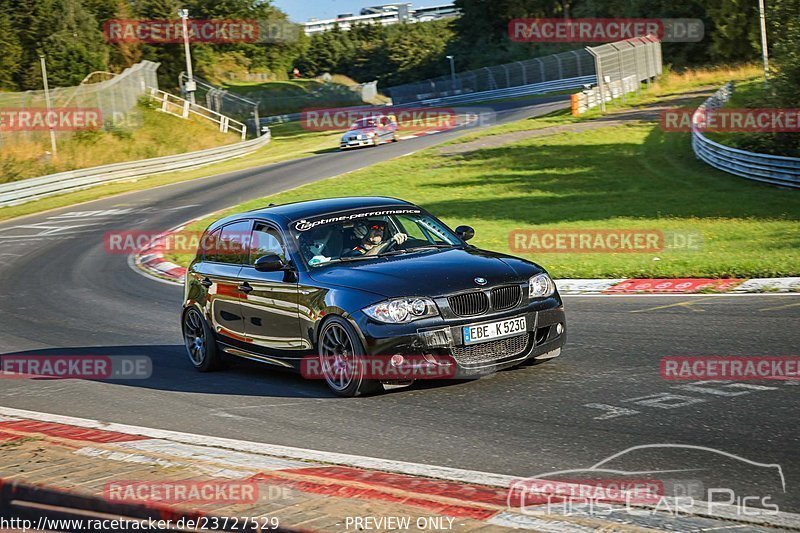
{"points": [[23, 191], [773, 169], [513, 92]]}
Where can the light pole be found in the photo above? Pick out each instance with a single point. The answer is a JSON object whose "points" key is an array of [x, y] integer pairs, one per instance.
{"points": [[452, 72], [191, 87], [764, 54], [53, 149]]}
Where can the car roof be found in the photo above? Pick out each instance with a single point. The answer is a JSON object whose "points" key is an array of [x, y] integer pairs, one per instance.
{"points": [[297, 210]]}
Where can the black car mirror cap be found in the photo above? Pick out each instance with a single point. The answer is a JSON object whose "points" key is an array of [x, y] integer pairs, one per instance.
{"points": [[465, 233], [270, 263]]}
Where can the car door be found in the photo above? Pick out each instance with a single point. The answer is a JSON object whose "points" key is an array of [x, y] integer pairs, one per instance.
{"points": [[385, 130], [219, 274], [270, 306]]}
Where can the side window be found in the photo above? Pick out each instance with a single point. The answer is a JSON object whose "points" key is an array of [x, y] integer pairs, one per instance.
{"points": [[266, 240], [209, 246], [232, 245], [411, 228]]}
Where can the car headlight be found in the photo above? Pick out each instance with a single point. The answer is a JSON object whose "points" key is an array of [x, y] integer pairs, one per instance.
{"points": [[401, 310], [541, 286]]}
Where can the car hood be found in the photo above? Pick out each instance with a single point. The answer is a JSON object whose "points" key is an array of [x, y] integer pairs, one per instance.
{"points": [[361, 131], [431, 273]]}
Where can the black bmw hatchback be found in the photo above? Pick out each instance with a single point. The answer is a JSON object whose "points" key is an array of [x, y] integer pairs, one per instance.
{"points": [[363, 292]]}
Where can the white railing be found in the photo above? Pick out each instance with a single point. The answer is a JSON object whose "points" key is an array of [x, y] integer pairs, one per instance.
{"points": [[23, 191], [175, 105], [773, 169]]}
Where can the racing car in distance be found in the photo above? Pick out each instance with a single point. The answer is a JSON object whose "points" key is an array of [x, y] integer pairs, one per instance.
{"points": [[330, 284], [370, 131]]}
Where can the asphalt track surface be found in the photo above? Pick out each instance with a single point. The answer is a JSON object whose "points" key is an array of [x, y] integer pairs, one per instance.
{"points": [[61, 293]]}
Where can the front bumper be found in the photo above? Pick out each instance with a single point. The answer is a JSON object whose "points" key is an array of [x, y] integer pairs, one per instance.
{"points": [[545, 336], [355, 143]]}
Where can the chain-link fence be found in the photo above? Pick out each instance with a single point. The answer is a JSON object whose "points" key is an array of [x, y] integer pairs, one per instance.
{"points": [[618, 66], [114, 98], [221, 100], [261, 102], [572, 64], [623, 65]]}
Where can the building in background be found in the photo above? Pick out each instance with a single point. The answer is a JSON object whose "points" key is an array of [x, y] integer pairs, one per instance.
{"points": [[385, 15]]}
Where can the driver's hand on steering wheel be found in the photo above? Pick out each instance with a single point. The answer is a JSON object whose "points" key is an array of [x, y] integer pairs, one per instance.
{"points": [[399, 238]]}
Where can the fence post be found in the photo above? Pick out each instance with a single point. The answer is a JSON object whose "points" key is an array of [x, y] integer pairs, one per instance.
{"points": [[598, 68], [541, 68], [492, 82], [185, 113], [524, 74], [508, 78], [578, 62], [621, 66], [560, 70]]}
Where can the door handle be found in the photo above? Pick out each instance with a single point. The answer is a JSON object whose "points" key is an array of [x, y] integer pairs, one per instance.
{"points": [[206, 282], [245, 287]]}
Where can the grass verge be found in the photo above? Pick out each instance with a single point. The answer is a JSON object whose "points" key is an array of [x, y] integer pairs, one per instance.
{"points": [[289, 141], [632, 176], [156, 134]]}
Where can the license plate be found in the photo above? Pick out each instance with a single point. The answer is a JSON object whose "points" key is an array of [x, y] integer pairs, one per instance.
{"points": [[494, 330]]}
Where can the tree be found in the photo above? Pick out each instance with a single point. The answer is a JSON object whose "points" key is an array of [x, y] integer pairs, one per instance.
{"points": [[10, 52], [69, 37], [784, 40]]}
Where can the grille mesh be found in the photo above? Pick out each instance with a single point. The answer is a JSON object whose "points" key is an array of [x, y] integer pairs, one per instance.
{"points": [[489, 351], [469, 304], [505, 297]]}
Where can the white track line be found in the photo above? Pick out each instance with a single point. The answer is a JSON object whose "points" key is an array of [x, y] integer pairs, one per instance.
{"points": [[373, 463], [779, 519]]}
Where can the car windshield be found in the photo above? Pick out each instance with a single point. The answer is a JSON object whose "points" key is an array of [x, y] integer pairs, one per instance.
{"points": [[344, 239], [364, 123]]}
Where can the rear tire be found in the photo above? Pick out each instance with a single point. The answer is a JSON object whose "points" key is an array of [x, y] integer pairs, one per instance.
{"points": [[340, 355], [200, 342]]}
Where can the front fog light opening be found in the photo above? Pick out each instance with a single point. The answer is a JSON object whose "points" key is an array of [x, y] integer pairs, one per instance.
{"points": [[559, 328]]}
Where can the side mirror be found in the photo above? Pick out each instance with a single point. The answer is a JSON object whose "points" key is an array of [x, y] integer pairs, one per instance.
{"points": [[465, 232], [269, 263]]}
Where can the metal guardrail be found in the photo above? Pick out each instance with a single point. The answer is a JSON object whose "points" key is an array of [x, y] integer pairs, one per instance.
{"points": [[23, 191], [512, 92], [773, 169], [566, 65], [175, 105]]}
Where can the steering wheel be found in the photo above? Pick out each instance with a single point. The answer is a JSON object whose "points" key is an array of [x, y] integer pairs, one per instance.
{"points": [[391, 243]]}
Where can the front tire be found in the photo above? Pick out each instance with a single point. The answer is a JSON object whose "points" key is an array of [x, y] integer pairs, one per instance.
{"points": [[341, 357], [201, 345]]}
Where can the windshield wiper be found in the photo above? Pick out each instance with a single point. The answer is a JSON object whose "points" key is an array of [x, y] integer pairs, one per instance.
{"points": [[416, 249]]}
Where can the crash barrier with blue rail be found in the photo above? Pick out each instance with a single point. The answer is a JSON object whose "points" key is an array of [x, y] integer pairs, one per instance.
{"points": [[23, 191], [514, 92], [773, 169], [613, 67]]}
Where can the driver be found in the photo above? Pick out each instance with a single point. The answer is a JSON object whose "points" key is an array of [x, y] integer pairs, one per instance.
{"points": [[372, 243]]}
